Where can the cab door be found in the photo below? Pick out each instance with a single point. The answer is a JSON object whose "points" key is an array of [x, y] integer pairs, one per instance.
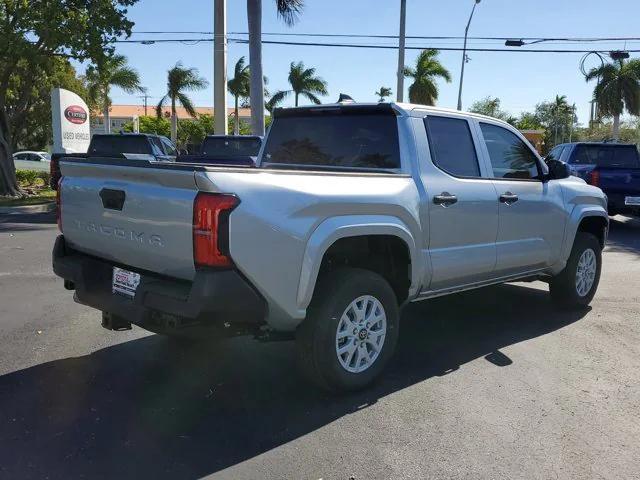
{"points": [[461, 203], [531, 209]]}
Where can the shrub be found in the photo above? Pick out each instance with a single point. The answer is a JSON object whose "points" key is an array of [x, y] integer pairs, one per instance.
{"points": [[26, 177]]}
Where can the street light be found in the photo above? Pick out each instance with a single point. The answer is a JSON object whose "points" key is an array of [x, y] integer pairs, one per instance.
{"points": [[464, 54], [619, 55]]}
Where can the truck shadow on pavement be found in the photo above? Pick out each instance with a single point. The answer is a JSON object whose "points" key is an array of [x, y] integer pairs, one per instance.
{"points": [[26, 222], [147, 409], [624, 235]]}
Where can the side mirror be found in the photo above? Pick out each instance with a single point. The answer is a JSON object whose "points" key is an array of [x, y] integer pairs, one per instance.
{"points": [[557, 169]]}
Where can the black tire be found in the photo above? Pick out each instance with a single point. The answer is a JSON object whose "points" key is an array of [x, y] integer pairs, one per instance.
{"points": [[563, 288], [316, 336]]}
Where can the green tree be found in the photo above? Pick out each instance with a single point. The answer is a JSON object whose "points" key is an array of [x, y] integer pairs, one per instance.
{"points": [[34, 31], [149, 124], [383, 93], [179, 81], [490, 106], [303, 82], [617, 90], [239, 88], [288, 11], [558, 118], [31, 126], [528, 121], [428, 69], [111, 71]]}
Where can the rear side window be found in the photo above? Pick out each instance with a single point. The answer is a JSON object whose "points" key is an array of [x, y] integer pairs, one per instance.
{"points": [[452, 146], [510, 156], [168, 147], [334, 140], [108, 145]]}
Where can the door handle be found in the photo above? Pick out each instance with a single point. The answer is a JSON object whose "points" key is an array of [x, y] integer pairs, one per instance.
{"points": [[508, 198], [445, 199]]}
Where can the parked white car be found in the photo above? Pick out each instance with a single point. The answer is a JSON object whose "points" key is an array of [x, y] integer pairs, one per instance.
{"points": [[32, 156]]}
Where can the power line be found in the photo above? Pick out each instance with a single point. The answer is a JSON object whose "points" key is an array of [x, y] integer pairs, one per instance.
{"points": [[194, 41], [414, 37]]}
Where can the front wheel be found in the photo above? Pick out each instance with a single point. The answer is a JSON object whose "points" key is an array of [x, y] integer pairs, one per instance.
{"points": [[351, 329], [576, 285]]}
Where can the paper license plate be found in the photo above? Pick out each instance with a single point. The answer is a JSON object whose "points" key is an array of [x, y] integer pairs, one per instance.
{"points": [[632, 201], [125, 282]]}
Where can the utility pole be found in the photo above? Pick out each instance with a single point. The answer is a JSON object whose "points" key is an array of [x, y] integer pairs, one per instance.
{"points": [[464, 54], [403, 21], [145, 98], [220, 67]]}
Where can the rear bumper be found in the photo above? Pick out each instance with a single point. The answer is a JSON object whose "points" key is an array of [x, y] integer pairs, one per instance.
{"points": [[214, 298], [616, 202]]}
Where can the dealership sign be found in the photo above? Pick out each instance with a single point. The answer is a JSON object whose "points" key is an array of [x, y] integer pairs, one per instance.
{"points": [[70, 122]]}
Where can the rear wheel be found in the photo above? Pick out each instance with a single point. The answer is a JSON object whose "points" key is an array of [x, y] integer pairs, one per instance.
{"points": [[576, 285], [351, 329]]}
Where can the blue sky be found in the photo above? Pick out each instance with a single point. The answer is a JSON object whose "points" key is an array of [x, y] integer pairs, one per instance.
{"points": [[520, 80]]}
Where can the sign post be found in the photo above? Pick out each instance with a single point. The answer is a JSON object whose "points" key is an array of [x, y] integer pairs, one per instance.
{"points": [[71, 129]]}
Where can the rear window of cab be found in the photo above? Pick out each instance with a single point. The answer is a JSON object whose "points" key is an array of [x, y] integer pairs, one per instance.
{"points": [[335, 140]]}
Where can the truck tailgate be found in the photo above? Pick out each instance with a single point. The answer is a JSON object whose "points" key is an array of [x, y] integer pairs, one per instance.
{"points": [[137, 217], [620, 180]]}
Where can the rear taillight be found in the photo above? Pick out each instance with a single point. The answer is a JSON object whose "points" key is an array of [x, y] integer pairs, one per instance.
{"points": [[54, 171], [211, 229], [59, 203], [594, 178]]}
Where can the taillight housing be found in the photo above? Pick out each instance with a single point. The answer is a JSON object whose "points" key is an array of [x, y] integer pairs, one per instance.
{"points": [[59, 203], [211, 229], [54, 171], [593, 178]]}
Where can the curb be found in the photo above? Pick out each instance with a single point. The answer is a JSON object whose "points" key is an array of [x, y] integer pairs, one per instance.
{"points": [[27, 209]]}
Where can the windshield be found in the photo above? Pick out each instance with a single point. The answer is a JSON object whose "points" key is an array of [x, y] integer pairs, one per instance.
{"points": [[231, 147], [107, 145]]}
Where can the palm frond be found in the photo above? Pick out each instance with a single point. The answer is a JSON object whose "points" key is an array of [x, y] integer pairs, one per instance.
{"points": [[160, 106], [289, 10], [312, 97], [187, 104]]}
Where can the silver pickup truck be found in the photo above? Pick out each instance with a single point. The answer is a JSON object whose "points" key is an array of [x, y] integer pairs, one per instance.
{"points": [[354, 211]]}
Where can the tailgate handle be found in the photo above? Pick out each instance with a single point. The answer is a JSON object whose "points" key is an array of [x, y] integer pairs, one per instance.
{"points": [[112, 199]]}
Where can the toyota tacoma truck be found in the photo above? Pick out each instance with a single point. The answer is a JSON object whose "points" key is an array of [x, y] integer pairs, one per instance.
{"points": [[352, 212]]}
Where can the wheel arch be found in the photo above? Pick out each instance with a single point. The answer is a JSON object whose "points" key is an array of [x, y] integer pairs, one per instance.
{"points": [[594, 220], [334, 230]]}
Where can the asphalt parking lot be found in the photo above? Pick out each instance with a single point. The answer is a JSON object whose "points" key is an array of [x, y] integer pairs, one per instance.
{"points": [[487, 384]]}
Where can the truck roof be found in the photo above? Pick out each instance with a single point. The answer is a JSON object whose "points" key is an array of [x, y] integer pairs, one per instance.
{"points": [[402, 109]]}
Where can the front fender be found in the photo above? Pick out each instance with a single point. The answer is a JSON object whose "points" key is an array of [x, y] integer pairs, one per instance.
{"points": [[579, 213], [335, 228]]}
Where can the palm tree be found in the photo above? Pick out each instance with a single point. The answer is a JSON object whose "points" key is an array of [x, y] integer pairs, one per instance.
{"points": [[113, 71], [179, 81], [288, 10], [383, 93], [428, 68], [618, 88], [303, 82], [559, 110], [239, 88]]}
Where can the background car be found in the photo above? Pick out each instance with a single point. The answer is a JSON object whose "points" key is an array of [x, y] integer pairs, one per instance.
{"points": [[613, 167], [32, 156], [31, 160]]}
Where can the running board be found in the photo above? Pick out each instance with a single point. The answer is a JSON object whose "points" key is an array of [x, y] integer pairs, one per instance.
{"points": [[527, 276]]}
